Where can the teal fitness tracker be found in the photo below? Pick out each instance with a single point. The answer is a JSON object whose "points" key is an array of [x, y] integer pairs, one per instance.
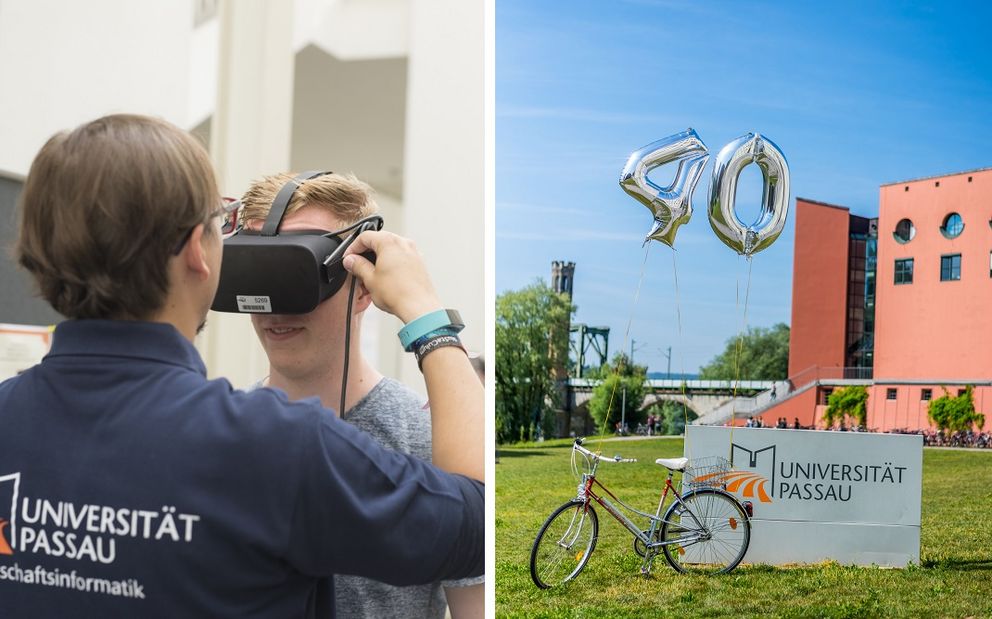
{"points": [[448, 319]]}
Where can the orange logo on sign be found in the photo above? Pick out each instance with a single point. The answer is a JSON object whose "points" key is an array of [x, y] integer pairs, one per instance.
{"points": [[747, 483]]}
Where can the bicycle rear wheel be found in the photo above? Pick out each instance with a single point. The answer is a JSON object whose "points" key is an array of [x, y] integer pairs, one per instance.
{"points": [[712, 539], [563, 544]]}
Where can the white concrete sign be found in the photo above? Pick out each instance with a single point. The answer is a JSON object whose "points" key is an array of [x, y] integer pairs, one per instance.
{"points": [[851, 497]]}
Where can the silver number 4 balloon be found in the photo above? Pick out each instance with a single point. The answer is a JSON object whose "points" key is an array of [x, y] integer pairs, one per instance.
{"points": [[672, 205]]}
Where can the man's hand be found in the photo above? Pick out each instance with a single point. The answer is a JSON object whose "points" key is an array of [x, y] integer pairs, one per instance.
{"points": [[398, 281], [399, 284]]}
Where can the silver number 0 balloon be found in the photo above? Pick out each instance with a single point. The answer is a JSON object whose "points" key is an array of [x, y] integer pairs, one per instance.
{"points": [[735, 156]]}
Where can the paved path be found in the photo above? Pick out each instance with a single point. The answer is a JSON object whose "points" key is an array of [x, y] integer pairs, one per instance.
{"points": [[635, 438]]}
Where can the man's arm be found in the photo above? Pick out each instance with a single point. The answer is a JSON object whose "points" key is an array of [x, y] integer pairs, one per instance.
{"points": [[366, 510], [399, 284]]}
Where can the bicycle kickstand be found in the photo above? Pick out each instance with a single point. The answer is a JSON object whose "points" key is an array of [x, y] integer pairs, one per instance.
{"points": [[648, 562]]}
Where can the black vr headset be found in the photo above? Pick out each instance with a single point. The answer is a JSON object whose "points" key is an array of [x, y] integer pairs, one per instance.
{"points": [[269, 272]]}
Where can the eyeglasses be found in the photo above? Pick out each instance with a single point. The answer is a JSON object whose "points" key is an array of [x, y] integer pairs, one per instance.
{"points": [[227, 211]]}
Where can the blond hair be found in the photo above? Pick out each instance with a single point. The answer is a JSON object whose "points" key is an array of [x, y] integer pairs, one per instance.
{"points": [[103, 207], [346, 197]]}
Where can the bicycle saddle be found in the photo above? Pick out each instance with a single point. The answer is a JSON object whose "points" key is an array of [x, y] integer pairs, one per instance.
{"points": [[675, 464]]}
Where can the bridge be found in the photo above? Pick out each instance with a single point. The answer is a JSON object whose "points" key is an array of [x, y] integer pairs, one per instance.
{"points": [[703, 397]]}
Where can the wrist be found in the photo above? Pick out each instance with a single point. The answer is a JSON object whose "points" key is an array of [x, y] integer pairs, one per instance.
{"points": [[416, 308], [425, 348]]}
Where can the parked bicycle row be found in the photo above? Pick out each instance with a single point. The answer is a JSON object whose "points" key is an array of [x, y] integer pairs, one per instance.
{"points": [[940, 438], [931, 438]]}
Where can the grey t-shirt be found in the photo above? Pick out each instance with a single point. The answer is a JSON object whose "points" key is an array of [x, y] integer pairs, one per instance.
{"points": [[396, 417]]}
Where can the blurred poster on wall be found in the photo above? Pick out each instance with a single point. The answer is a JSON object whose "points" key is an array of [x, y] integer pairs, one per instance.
{"points": [[22, 346]]}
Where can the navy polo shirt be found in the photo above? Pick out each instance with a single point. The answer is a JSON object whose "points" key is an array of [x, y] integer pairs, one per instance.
{"points": [[130, 485]]}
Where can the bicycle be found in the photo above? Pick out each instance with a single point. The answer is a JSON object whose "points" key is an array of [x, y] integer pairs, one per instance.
{"points": [[705, 530]]}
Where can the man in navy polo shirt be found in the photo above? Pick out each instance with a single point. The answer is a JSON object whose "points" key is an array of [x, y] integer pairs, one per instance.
{"points": [[130, 485]]}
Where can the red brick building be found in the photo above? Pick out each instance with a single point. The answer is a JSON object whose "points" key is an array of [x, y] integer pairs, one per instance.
{"points": [[900, 304]]}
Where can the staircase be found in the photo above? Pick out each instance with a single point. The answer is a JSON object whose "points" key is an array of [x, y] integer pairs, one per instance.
{"points": [[803, 381], [741, 407]]}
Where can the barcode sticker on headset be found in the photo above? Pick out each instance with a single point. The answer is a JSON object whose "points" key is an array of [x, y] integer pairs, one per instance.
{"points": [[252, 303]]}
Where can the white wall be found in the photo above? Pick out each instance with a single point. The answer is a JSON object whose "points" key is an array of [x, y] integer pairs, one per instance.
{"points": [[353, 29], [422, 149], [444, 165], [64, 63]]}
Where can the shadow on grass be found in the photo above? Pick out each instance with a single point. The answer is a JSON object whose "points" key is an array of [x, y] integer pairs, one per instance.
{"points": [[519, 453], [961, 565], [502, 449]]}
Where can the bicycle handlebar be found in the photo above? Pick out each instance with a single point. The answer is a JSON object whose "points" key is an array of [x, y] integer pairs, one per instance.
{"points": [[578, 447]]}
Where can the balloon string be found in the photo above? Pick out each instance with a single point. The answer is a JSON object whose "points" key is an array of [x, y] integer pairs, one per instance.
{"points": [[626, 335], [678, 324], [738, 353]]}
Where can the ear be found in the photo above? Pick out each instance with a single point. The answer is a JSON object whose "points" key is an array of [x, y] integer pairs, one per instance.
{"points": [[363, 298], [194, 255]]}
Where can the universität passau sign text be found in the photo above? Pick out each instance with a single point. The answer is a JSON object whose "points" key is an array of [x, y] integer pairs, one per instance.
{"points": [[851, 497]]}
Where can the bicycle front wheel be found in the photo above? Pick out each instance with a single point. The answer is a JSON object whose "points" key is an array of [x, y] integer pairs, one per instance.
{"points": [[708, 533], [563, 544]]}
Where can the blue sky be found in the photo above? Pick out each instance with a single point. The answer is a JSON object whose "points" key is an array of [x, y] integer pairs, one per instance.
{"points": [[856, 94]]}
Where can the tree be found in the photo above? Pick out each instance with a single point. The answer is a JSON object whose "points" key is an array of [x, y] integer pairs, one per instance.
{"points": [[672, 416], [622, 384], [531, 338], [848, 402], [955, 414], [764, 355]]}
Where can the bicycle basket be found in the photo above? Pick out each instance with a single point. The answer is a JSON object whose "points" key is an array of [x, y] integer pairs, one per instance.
{"points": [[708, 472]]}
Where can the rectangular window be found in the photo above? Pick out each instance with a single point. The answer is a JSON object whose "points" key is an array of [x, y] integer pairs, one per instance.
{"points": [[926, 394], [890, 393], [904, 271], [962, 391], [826, 392], [950, 268]]}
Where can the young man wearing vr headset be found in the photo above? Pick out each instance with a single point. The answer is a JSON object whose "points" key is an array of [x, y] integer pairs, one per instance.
{"points": [[130, 485], [306, 355]]}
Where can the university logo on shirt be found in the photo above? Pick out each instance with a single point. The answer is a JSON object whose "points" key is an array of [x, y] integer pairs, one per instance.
{"points": [[9, 485]]}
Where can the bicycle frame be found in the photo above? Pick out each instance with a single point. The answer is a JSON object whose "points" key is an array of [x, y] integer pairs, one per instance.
{"points": [[700, 515], [588, 492]]}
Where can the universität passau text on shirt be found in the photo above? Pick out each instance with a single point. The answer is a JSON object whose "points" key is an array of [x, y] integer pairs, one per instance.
{"points": [[132, 486]]}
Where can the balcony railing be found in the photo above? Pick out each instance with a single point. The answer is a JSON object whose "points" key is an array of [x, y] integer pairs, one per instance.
{"points": [[819, 373]]}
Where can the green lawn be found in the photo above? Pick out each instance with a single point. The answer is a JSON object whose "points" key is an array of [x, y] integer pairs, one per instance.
{"points": [[954, 578]]}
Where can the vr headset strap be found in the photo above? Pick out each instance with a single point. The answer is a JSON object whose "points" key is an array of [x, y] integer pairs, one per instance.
{"points": [[279, 205]]}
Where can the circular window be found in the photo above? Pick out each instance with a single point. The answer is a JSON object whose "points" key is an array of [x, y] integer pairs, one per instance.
{"points": [[953, 225], [905, 231]]}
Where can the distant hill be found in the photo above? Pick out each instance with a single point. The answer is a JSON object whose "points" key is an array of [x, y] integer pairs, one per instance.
{"points": [[672, 376]]}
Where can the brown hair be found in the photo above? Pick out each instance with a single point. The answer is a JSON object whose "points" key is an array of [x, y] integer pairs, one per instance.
{"points": [[102, 209], [348, 198]]}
